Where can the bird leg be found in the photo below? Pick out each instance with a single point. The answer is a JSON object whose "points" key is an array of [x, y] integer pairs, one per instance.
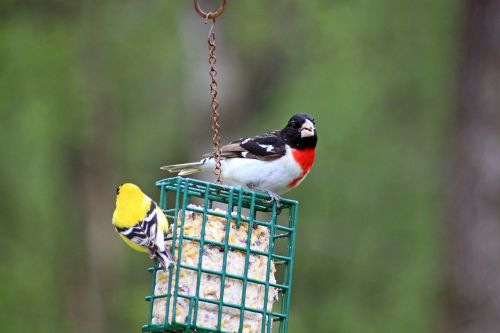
{"points": [[274, 196]]}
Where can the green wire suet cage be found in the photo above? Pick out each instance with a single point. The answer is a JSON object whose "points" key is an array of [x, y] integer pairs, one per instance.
{"points": [[234, 253]]}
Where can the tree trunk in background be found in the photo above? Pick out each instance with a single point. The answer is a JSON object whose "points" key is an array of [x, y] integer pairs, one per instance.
{"points": [[473, 216], [92, 287]]}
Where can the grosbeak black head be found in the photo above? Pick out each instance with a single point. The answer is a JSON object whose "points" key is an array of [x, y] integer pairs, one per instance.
{"points": [[300, 132]]}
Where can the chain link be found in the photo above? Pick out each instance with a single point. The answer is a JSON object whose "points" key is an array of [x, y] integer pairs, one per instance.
{"points": [[212, 60]]}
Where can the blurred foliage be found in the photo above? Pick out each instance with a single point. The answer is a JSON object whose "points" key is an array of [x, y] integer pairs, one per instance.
{"points": [[102, 86]]}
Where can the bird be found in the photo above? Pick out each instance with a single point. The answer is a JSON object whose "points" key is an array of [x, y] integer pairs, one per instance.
{"points": [[141, 223], [274, 162]]}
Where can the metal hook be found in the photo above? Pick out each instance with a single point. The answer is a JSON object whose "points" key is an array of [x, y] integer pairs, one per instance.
{"points": [[209, 15]]}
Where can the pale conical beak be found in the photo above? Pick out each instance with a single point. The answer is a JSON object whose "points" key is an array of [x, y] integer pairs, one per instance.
{"points": [[307, 129]]}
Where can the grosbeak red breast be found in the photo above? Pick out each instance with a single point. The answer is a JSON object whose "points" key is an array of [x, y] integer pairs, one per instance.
{"points": [[274, 162]]}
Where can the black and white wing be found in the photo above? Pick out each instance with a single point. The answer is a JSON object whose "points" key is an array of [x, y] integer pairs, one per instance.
{"points": [[266, 147], [146, 232], [149, 233]]}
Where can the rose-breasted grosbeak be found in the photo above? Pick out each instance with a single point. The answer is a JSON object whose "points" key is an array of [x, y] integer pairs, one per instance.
{"points": [[274, 162]]}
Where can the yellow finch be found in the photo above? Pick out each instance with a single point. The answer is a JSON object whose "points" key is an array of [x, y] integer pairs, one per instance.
{"points": [[141, 223]]}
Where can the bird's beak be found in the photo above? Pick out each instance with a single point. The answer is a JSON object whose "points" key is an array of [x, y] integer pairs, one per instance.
{"points": [[307, 129]]}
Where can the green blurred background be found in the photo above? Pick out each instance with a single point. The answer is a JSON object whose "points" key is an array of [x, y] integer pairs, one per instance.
{"points": [[95, 93]]}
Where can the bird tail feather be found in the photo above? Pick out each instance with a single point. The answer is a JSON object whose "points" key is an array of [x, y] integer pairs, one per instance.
{"points": [[165, 258], [185, 169]]}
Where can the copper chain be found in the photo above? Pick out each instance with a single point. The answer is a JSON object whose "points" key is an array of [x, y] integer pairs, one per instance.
{"points": [[214, 104], [213, 83]]}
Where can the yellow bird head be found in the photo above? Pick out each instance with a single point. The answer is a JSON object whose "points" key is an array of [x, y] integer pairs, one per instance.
{"points": [[131, 205], [128, 192]]}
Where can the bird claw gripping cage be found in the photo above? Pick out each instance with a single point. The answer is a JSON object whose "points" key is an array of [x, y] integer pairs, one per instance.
{"points": [[234, 253]]}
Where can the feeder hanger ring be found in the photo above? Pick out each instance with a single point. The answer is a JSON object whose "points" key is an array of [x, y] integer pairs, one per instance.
{"points": [[209, 15]]}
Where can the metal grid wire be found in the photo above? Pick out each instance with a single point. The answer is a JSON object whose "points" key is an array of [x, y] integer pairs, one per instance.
{"points": [[177, 196]]}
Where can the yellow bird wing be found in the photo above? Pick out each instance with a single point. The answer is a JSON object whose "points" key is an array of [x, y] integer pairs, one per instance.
{"points": [[143, 235], [148, 235]]}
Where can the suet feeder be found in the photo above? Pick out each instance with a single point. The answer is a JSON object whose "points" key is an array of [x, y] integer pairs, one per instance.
{"points": [[234, 253]]}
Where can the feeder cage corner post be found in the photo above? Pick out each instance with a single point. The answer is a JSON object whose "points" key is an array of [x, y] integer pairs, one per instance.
{"points": [[234, 253]]}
